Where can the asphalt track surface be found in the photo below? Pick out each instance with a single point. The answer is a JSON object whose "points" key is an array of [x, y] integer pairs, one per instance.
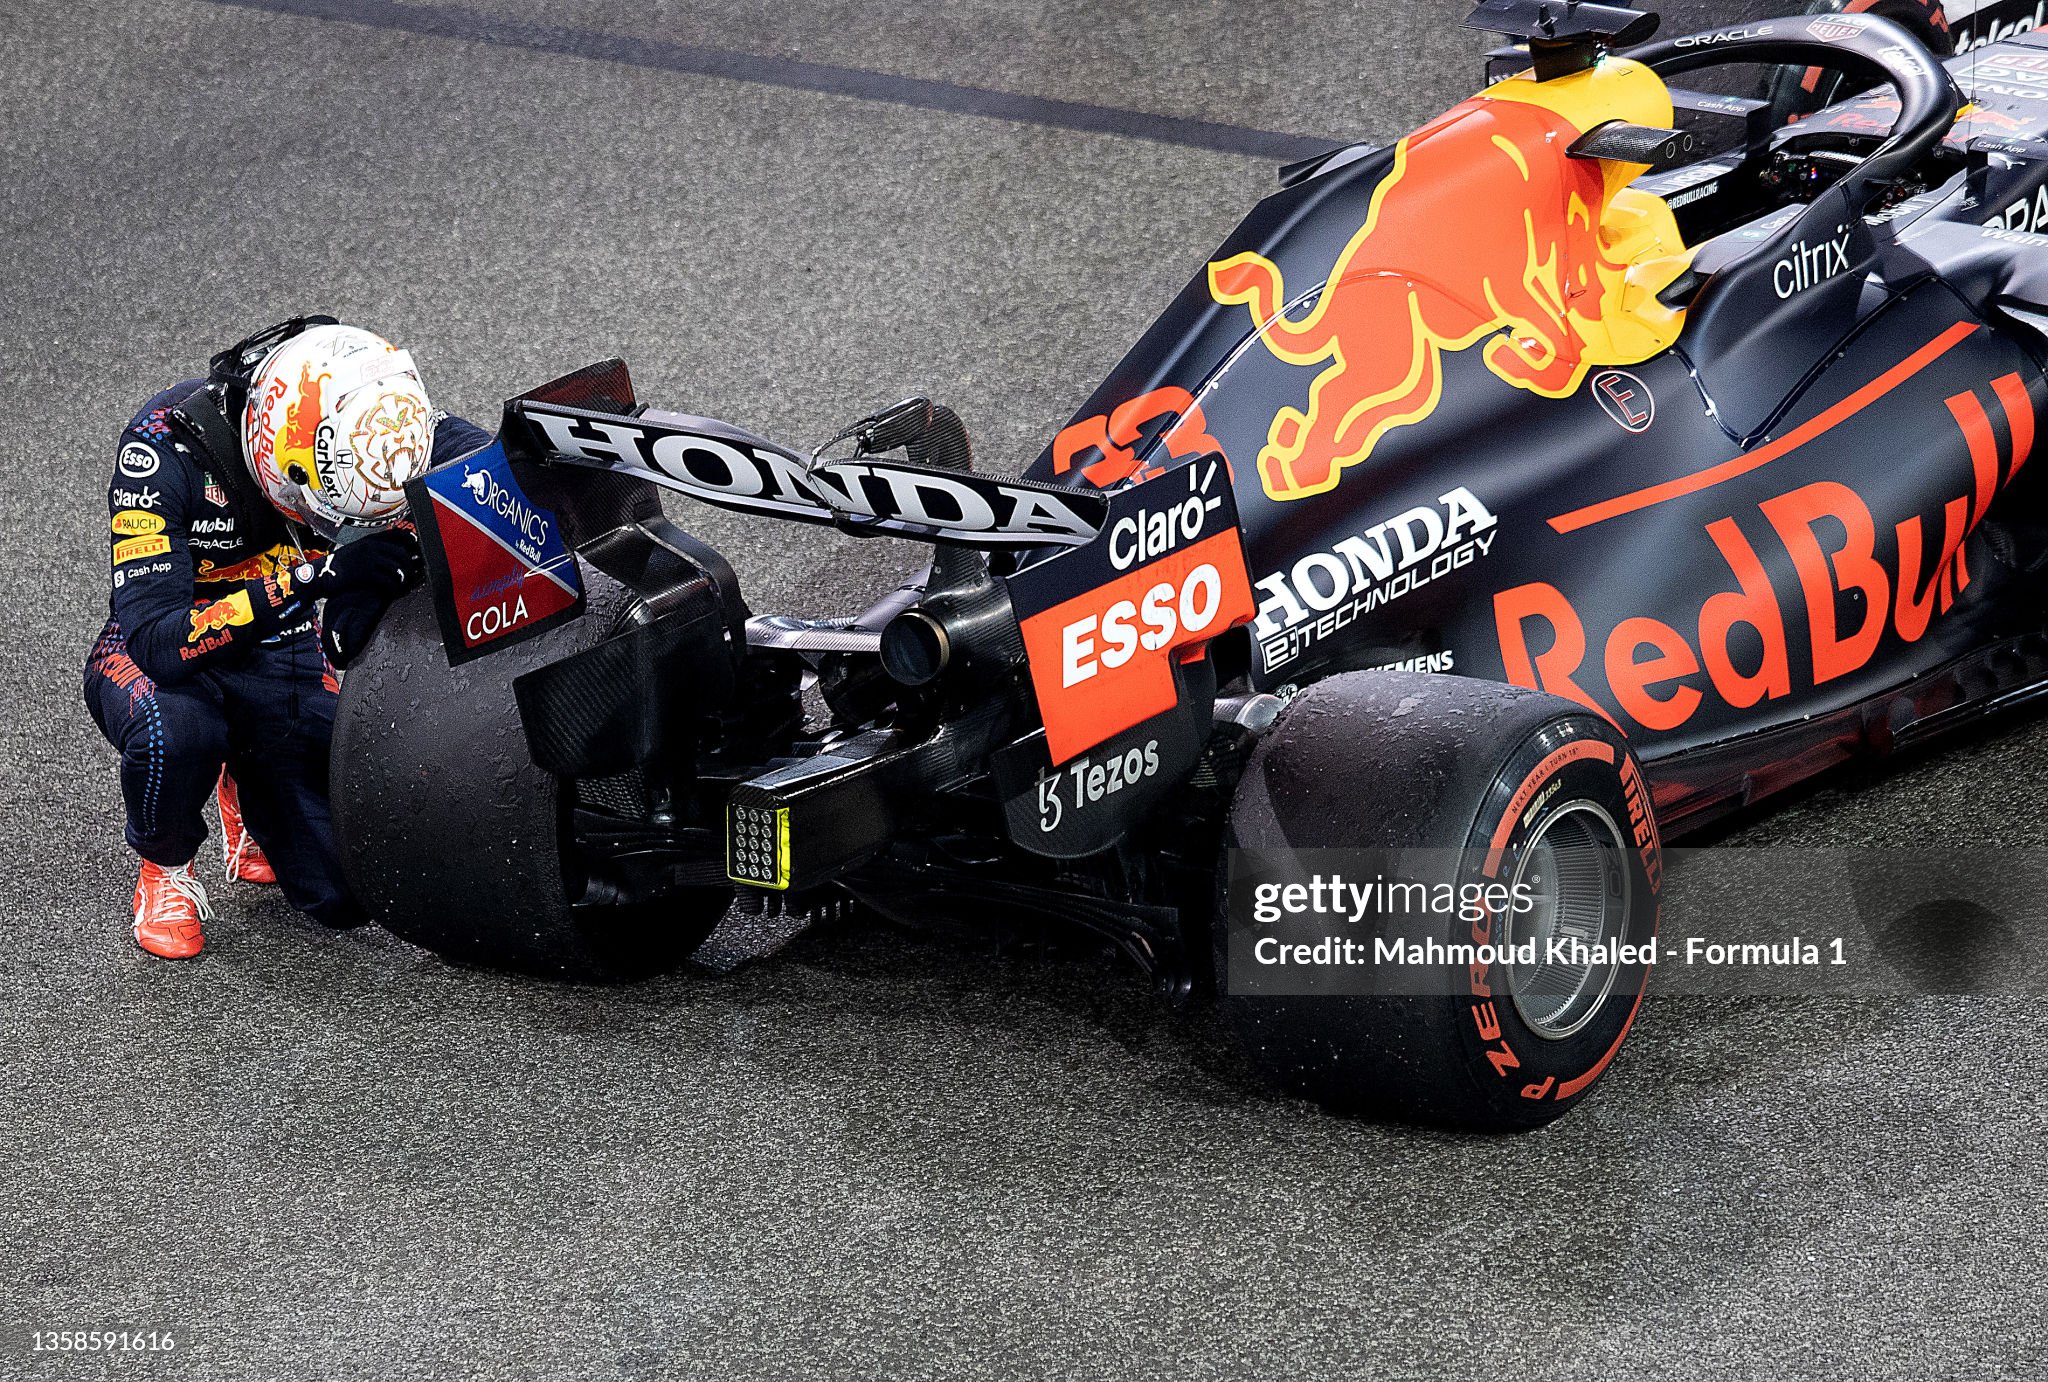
{"points": [[332, 1156]]}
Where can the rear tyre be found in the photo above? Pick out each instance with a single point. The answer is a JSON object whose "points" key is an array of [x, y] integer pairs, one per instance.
{"points": [[453, 839], [1492, 784]]}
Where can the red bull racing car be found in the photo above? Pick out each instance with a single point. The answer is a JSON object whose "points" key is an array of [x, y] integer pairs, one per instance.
{"points": [[1597, 459]]}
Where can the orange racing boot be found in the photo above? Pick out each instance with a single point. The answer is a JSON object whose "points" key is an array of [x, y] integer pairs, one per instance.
{"points": [[240, 855], [169, 907]]}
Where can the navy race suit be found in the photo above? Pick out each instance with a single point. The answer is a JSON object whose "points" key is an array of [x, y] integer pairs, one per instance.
{"points": [[208, 660]]}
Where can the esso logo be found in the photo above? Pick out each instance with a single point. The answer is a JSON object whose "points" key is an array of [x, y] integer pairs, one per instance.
{"points": [[1112, 639], [1626, 399], [138, 462]]}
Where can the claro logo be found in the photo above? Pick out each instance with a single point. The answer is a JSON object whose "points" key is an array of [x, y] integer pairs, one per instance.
{"points": [[1149, 536], [1807, 264], [486, 492]]}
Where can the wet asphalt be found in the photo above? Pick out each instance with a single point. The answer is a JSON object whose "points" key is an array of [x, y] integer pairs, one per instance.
{"points": [[329, 1155]]}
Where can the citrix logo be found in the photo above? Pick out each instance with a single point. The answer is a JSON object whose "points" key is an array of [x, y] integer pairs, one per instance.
{"points": [[1807, 264]]}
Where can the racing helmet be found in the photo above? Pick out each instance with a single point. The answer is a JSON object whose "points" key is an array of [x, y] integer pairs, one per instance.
{"points": [[336, 422]]}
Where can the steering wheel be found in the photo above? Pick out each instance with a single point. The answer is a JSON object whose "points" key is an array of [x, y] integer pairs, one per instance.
{"points": [[1861, 44]]}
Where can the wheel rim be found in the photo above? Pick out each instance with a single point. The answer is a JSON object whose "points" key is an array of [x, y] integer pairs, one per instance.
{"points": [[1575, 867]]}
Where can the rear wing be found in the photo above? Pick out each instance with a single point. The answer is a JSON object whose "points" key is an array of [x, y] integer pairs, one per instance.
{"points": [[732, 468], [499, 564], [1109, 617]]}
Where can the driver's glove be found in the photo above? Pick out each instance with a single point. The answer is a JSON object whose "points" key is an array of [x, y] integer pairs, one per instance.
{"points": [[358, 580]]}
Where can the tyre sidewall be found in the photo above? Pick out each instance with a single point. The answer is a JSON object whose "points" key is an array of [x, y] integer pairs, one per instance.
{"points": [[1523, 1078], [450, 835], [1429, 774]]}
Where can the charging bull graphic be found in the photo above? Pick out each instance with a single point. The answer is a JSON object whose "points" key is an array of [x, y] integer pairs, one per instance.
{"points": [[301, 429], [1483, 227]]}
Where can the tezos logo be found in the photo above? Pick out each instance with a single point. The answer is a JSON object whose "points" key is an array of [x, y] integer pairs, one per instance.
{"points": [[1626, 399], [1805, 265], [487, 493], [138, 462]]}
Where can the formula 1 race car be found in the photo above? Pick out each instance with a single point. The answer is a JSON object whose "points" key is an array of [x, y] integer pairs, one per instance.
{"points": [[1596, 460]]}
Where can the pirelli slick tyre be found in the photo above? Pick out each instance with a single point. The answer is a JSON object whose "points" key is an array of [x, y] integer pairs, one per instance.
{"points": [[453, 839], [1466, 783]]}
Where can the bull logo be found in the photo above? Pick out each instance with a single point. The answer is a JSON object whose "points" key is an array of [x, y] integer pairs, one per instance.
{"points": [[302, 417], [475, 481], [1974, 119], [1483, 228], [230, 612]]}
